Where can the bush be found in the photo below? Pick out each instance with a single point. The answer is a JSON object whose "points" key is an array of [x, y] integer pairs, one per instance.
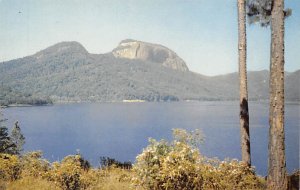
{"points": [[164, 165], [10, 167], [34, 165], [229, 174], [73, 173], [107, 162], [31, 171], [179, 165]]}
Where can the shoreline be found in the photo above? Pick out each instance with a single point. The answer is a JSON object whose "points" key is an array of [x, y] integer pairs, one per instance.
{"points": [[23, 105], [139, 101]]}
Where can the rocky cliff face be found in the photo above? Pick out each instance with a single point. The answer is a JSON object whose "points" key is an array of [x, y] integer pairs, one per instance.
{"points": [[132, 49]]}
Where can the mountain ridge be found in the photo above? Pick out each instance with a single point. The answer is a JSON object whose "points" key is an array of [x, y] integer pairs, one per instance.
{"points": [[66, 71]]}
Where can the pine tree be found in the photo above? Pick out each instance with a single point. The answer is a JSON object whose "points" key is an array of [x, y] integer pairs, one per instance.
{"points": [[277, 177], [17, 138], [6, 144], [244, 114], [271, 12]]}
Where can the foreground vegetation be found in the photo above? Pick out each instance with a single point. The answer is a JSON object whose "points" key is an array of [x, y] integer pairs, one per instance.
{"points": [[31, 171], [161, 165]]}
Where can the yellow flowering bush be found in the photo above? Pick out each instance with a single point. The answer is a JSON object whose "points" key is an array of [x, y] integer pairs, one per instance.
{"points": [[34, 165], [71, 173], [179, 169], [179, 165], [89, 178], [164, 165], [10, 167], [229, 174]]}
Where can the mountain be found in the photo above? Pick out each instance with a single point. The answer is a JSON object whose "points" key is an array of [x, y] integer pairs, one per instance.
{"points": [[154, 53], [133, 70]]}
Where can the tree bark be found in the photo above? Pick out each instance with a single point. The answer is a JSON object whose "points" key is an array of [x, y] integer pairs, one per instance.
{"points": [[244, 114], [277, 177]]}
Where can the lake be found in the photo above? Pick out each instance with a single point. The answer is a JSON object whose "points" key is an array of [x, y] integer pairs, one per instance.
{"points": [[121, 130]]}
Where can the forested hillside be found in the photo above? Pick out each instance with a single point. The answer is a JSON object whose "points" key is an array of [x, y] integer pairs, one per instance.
{"points": [[8, 96], [67, 72]]}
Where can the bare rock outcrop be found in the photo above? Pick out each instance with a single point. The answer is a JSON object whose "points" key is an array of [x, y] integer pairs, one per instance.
{"points": [[133, 49]]}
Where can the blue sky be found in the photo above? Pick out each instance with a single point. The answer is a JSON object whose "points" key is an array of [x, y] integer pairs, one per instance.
{"points": [[202, 32]]}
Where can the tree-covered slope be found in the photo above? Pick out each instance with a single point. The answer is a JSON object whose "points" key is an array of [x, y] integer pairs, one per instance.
{"points": [[67, 72], [9, 96]]}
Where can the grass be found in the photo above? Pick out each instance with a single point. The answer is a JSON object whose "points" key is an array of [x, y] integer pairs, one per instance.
{"points": [[30, 183], [113, 179]]}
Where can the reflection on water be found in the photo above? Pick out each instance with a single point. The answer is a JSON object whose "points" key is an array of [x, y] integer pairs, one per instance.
{"points": [[121, 130]]}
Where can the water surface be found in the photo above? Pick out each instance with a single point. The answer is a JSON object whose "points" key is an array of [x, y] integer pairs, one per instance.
{"points": [[121, 130]]}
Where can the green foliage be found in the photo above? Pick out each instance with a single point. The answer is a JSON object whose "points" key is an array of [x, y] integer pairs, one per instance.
{"points": [[179, 165], [259, 11], [10, 96], [17, 138], [6, 144], [107, 162], [11, 144]]}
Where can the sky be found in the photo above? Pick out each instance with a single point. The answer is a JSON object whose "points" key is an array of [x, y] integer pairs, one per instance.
{"points": [[202, 32]]}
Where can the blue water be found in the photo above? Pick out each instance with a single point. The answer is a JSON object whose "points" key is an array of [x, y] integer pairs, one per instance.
{"points": [[121, 130]]}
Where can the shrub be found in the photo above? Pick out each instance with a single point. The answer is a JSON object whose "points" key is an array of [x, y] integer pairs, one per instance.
{"points": [[10, 167], [107, 162], [34, 165], [179, 165], [164, 165], [72, 173], [179, 168], [67, 173], [89, 178], [229, 174]]}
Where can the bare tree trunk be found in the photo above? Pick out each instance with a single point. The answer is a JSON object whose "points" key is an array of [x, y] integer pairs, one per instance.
{"points": [[244, 114], [277, 177]]}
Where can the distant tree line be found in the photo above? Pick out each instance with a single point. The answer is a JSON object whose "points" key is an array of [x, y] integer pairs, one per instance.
{"points": [[8, 96]]}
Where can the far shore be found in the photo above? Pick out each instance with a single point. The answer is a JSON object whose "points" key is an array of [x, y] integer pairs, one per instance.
{"points": [[24, 105], [137, 101]]}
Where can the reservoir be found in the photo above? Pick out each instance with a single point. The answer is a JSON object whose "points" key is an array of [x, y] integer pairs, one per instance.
{"points": [[121, 130]]}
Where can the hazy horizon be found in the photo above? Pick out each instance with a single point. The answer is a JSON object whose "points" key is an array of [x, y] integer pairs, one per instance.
{"points": [[203, 33]]}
